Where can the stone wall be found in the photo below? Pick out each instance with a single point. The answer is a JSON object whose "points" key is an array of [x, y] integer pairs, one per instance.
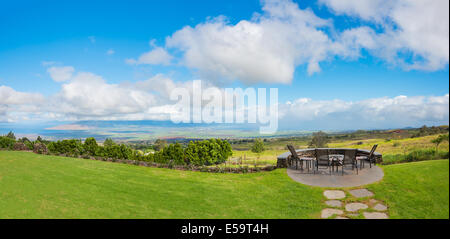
{"points": [[283, 160]]}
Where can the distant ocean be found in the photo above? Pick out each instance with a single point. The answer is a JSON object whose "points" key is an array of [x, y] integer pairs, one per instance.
{"points": [[132, 130]]}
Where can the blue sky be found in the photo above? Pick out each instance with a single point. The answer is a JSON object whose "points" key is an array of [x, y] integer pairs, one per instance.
{"points": [[98, 37]]}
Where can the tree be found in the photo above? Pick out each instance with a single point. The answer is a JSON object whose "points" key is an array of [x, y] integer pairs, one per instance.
{"points": [[159, 144], [11, 135], [39, 139], [90, 146], [437, 141], [258, 146], [108, 142], [319, 140]]}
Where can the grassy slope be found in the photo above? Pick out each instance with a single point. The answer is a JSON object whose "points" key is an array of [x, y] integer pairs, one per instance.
{"points": [[415, 190], [37, 186]]}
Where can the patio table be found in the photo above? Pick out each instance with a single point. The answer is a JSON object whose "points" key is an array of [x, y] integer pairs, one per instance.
{"points": [[335, 158]]}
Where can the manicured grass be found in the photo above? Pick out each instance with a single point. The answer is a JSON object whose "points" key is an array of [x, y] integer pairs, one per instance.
{"points": [[39, 186], [415, 190]]}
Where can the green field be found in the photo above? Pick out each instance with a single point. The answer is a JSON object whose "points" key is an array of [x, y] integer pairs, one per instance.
{"points": [[415, 190], [37, 186], [40, 186]]}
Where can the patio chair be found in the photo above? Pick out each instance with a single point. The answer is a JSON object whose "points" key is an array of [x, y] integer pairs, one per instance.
{"points": [[349, 159], [370, 157], [322, 159], [297, 159]]}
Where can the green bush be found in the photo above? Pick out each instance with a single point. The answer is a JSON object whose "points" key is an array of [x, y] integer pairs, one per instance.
{"points": [[6, 142], [70, 147], [207, 152], [90, 146], [258, 146]]}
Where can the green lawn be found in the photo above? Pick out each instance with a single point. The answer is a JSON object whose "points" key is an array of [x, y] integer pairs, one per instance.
{"points": [[38, 186], [415, 190]]}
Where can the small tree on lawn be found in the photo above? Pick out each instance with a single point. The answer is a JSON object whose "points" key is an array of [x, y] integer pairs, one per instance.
{"points": [[437, 141], [319, 140], [258, 146]]}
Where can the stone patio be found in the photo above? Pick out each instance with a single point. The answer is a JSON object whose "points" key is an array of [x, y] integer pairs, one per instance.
{"points": [[336, 180]]}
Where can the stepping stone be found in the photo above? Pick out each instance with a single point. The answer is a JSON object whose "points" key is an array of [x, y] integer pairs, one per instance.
{"points": [[354, 207], [375, 215], [339, 217], [361, 193], [372, 201], [328, 212], [334, 194], [380, 207], [334, 203]]}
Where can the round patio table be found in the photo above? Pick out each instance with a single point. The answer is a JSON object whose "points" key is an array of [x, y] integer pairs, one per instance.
{"points": [[335, 158]]}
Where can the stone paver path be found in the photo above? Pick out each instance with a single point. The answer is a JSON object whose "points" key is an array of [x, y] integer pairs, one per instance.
{"points": [[375, 215], [361, 193], [334, 194], [334, 203], [380, 207], [351, 207], [328, 212], [354, 207]]}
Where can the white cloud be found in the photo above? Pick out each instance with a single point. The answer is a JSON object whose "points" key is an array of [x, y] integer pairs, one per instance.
{"points": [[88, 94], [89, 97], [110, 52], [15, 105], [60, 74], [270, 46], [157, 56], [400, 111], [265, 49], [416, 33]]}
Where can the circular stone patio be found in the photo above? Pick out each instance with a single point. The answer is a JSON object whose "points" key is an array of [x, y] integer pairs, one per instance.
{"points": [[336, 179]]}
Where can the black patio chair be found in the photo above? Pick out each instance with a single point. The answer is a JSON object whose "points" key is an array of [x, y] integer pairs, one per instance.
{"points": [[349, 159], [295, 157], [322, 159], [370, 157]]}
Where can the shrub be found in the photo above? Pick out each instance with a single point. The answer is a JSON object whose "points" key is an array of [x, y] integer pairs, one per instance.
{"points": [[20, 146], [258, 146], [6, 142], [40, 148], [90, 146], [207, 152]]}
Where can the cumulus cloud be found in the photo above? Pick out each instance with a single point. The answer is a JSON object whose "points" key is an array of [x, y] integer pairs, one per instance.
{"points": [[272, 44], [156, 56], [60, 74], [385, 112], [264, 49], [15, 105], [415, 33]]}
